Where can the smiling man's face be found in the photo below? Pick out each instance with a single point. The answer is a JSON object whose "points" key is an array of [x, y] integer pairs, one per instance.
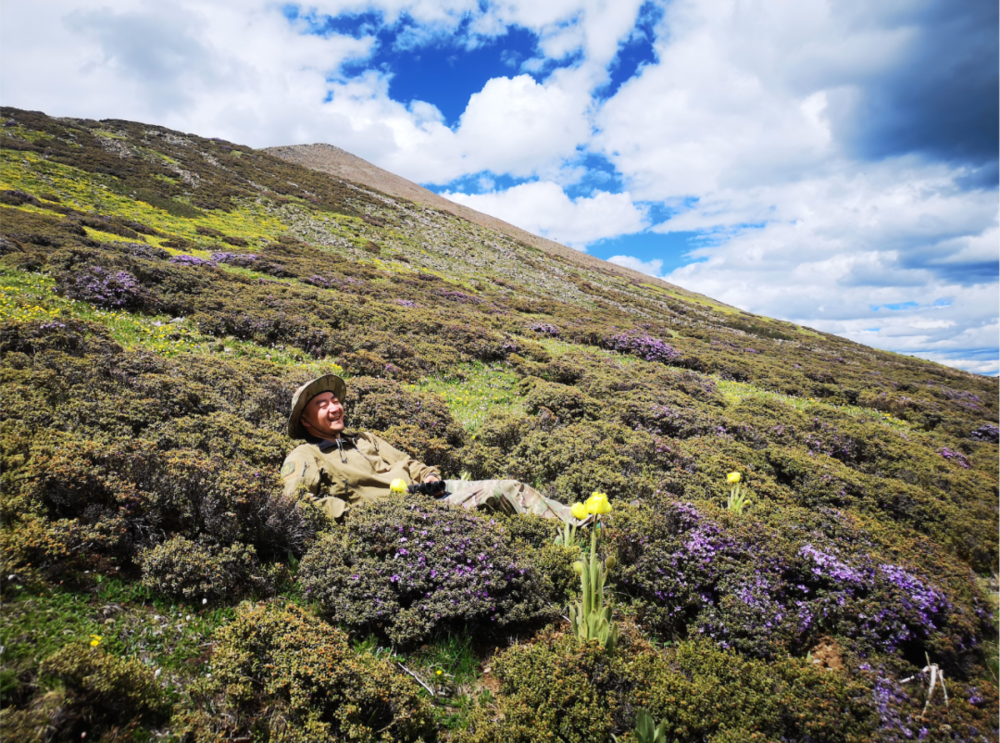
{"points": [[323, 416]]}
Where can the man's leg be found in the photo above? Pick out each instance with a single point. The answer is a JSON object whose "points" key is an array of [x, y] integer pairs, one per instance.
{"points": [[507, 496]]}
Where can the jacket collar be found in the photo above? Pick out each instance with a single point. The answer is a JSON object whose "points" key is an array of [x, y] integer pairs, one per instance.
{"points": [[326, 445]]}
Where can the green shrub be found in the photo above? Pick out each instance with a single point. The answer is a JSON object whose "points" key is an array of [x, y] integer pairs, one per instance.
{"points": [[283, 674], [566, 403], [186, 569], [96, 693], [409, 568], [381, 404], [558, 689], [531, 537]]}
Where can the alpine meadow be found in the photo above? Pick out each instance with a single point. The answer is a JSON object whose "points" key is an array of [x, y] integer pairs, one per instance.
{"points": [[787, 536]]}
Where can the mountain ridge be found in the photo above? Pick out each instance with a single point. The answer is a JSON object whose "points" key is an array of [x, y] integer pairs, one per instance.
{"points": [[342, 164]]}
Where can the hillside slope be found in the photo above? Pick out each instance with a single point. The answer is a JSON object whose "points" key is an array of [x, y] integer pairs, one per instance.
{"points": [[162, 296], [347, 167]]}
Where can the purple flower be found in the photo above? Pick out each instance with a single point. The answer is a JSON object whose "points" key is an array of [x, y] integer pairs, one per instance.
{"points": [[960, 459], [644, 346], [192, 260], [244, 260], [105, 289], [988, 433], [544, 328]]}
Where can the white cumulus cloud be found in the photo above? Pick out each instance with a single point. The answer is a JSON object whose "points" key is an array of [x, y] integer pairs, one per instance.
{"points": [[545, 209]]}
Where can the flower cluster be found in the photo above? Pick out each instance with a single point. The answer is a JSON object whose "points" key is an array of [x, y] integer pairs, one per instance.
{"points": [[243, 260], [748, 594], [644, 346], [408, 569], [988, 433], [103, 288], [544, 328], [951, 455], [192, 260]]}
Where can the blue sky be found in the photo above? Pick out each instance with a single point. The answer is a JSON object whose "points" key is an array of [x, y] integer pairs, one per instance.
{"points": [[830, 163]]}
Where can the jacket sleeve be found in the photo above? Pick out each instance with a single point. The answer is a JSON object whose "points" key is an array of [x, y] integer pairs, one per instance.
{"points": [[416, 470], [300, 471], [300, 474]]}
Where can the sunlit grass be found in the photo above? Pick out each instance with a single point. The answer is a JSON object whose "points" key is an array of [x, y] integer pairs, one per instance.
{"points": [[735, 392], [91, 192], [476, 393]]}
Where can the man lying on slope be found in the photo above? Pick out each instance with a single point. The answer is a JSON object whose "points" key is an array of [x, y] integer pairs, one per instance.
{"points": [[337, 468]]}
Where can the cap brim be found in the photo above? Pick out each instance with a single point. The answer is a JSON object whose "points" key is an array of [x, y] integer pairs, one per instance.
{"points": [[305, 393]]}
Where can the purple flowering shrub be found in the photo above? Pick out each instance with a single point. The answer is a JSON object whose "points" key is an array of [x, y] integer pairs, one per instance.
{"points": [[988, 433], [901, 714], [192, 260], [955, 456], [544, 328], [764, 596], [243, 260], [644, 346], [409, 568], [112, 290]]}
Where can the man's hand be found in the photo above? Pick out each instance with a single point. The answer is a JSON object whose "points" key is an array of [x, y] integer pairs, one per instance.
{"points": [[431, 488]]}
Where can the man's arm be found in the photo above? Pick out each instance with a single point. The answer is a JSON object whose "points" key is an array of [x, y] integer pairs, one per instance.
{"points": [[301, 476], [418, 471]]}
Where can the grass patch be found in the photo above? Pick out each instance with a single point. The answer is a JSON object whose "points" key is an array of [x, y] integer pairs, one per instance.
{"points": [[476, 392], [735, 392]]}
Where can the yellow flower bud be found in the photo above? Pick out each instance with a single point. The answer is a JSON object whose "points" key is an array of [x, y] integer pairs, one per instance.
{"points": [[733, 477], [579, 511], [398, 485], [598, 504], [578, 567], [611, 562]]}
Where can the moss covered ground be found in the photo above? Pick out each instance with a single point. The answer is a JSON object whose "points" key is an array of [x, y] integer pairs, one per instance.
{"points": [[161, 296]]}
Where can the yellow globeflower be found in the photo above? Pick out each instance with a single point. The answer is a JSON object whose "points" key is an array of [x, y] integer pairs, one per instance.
{"points": [[579, 511], [95, 640], [598, 504], [733, 477], [398, 485]]}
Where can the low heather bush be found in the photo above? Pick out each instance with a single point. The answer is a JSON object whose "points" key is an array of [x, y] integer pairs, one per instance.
{"points": [[544, 328], [126, 499], [409, 568], [988, 433], [192, 260], [644, 346], [243, 260], [185, 569], [765, 595], [381, 404], [566, 403], [103, 288], [98, 693], [280, 669], [581, 694]]}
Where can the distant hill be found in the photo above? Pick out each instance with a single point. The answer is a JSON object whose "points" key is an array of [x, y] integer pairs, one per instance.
{"points": [[799, 522]]}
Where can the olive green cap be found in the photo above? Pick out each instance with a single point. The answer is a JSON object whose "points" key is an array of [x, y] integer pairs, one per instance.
{"points": [[305, 393]]}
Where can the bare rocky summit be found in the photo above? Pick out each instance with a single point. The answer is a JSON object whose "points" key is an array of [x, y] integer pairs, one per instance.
{"points": [[345, 166]]}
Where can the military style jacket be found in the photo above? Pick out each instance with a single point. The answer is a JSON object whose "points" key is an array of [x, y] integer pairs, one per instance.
{"points": [[356, 467]]}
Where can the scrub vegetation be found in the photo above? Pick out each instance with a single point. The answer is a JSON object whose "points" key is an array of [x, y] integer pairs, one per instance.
{"points": [[162, 295]]}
